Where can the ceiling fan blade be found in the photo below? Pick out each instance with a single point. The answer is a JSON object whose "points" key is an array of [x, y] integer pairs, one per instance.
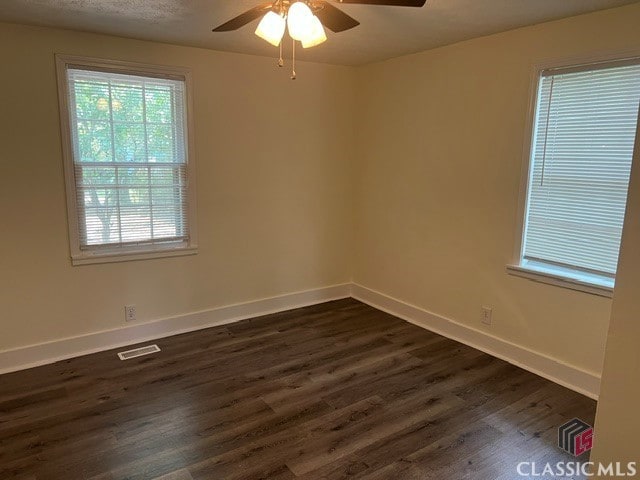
{"points": [[244, 18], [392, 3], [335, 19]]}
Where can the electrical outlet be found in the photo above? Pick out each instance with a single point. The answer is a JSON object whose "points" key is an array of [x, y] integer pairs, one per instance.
{"points": [[129, 313], [486, 315]]}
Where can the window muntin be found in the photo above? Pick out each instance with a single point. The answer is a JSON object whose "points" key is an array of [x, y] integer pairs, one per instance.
{"points": [[582, 147]]}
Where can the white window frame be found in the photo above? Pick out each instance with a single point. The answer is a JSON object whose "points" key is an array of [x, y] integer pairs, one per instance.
{"points": [[134, 252], [516, 267]]}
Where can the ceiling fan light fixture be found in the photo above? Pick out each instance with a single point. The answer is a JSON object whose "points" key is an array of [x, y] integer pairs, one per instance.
{"points": [[271, 28], [299, 20], [316, 34], [303, 25]]}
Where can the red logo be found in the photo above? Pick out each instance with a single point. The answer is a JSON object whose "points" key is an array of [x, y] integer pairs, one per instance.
{"points": [[575, 437]]}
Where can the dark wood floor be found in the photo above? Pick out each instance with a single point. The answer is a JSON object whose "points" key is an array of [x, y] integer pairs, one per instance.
{"points": [[331, 391]]}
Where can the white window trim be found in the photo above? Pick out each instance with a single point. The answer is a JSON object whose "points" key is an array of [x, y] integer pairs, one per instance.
{"points": [[558, 280], [516, 267], [121, 254]]}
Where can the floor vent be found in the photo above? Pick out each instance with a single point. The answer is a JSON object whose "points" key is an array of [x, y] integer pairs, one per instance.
{"points": [[138, 352]]}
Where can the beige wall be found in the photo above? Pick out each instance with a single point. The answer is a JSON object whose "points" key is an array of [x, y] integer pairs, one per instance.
{"points": [[273, 165], [617, 422], [437, 184]]}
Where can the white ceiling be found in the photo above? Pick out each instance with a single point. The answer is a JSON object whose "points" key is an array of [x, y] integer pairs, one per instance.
{"points": [[385, 32]]}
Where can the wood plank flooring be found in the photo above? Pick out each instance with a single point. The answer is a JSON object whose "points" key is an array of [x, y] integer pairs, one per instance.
{"points": [[337, 390]]}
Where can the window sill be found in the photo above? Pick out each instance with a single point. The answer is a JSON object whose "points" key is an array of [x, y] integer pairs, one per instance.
{"points": [[560, 281], [88, 258]]}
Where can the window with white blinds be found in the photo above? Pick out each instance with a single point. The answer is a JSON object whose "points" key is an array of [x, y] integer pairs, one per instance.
{"points": [[582, 147], [129, 160]]}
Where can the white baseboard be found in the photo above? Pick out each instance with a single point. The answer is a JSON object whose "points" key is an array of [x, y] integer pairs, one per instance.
{"points": [[44, 353], [570, 376]]}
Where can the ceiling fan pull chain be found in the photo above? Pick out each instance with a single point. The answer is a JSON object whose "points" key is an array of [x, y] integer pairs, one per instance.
{"points": [[293, 61], [280, 60]]}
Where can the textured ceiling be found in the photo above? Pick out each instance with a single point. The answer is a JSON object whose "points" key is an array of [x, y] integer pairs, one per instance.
{"points": [[385, 32]]}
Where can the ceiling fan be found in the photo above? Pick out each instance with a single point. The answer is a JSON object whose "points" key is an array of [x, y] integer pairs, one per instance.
{"points": [[304, 19]]}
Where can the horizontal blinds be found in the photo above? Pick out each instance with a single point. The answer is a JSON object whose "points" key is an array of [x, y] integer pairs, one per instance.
{"points": [[130, 160], [582, 149]]}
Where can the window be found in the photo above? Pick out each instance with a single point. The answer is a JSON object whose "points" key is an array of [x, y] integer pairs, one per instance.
{"points": [[580, 160], [128, 172]]}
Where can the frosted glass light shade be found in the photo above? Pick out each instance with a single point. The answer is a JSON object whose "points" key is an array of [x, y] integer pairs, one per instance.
{"points": [[271, 28], [316, 34], [299, 20]]}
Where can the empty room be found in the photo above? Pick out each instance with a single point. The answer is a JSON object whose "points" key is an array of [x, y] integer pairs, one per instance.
{"points": [[319, 239]]}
